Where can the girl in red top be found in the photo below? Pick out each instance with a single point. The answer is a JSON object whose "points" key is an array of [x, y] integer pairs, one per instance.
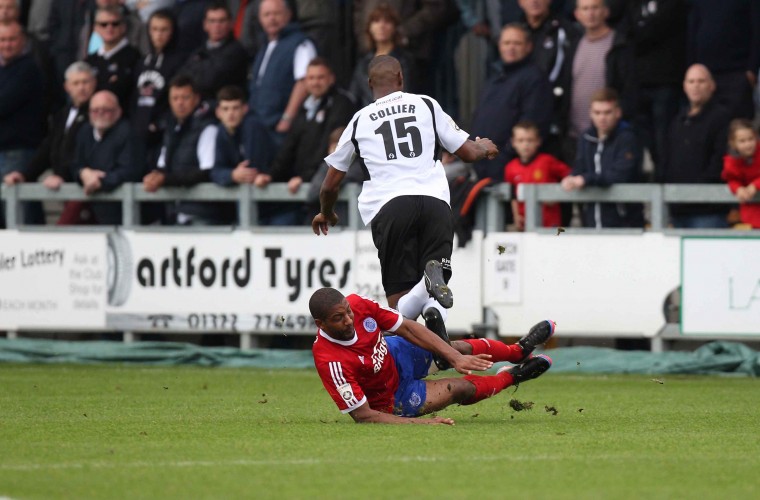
{"points": [[532, 168], [741, 169]]}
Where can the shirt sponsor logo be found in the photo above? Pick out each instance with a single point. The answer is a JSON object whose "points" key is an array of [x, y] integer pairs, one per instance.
{"points": [[378, 353]]}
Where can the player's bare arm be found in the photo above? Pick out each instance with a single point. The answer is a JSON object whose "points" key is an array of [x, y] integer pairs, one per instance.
{"points": [[328, 195], [366, 415], [422, 337], [479, 149]]}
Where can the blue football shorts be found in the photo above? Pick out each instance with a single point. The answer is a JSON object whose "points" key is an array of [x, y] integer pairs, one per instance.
{"points": [[412, 363]]}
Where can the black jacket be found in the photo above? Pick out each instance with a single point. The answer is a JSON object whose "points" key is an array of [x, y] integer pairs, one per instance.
{"points": [[21, 102], [58, 149], [694, 154], [602, 163], [113, 155], [657, 29], [519, 91], [553, 45], [306, 144], [117, 73], [212, 69]]}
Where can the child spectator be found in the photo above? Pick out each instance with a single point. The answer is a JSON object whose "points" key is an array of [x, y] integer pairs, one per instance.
{"points": [[231, 166], [741, 169], [532, 167]]}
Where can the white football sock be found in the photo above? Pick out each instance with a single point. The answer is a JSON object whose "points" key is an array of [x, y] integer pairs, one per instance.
{"points": [[411, 305]]}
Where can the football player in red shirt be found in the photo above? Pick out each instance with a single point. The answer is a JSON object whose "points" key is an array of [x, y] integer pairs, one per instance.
{"points": [[378, 379]]}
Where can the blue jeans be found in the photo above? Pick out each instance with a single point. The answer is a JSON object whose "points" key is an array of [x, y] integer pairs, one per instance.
{"points": [[702, 221], [13, 160]]}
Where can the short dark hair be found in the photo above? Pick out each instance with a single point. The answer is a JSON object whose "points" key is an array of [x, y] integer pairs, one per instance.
{"points": [[526, 125], [320, 61], [605, 94], [230, 93], [163, 14], [217, 6], [519, 27], [184, 80], [322, 301]]}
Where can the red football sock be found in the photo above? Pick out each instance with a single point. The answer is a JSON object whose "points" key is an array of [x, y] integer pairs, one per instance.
{"points": [[488, 386], [499, 351]]}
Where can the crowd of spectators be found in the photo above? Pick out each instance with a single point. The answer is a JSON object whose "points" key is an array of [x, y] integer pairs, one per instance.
{"points": [[181, 92]]}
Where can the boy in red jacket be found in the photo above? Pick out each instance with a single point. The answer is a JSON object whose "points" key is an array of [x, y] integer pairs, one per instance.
{"points": [[531, 167]]}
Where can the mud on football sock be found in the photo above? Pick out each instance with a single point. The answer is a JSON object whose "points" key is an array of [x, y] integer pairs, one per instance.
{"points": [[487, 386], [499, 351], [412, 304]]}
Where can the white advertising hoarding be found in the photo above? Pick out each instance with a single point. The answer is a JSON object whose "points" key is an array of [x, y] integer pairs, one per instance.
{"points": [[50, 281], [720, 286], [604, 285], [225, 282]]}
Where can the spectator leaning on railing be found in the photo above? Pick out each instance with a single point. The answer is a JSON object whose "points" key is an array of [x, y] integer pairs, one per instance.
{"points": [[608, 153], [104, 159], [58, 149]]}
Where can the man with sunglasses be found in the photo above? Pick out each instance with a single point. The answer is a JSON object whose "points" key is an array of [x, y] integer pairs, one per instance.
{"points": [[116, 60]]}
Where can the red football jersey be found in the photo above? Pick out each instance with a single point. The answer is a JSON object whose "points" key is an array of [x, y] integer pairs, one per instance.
{"points": [[360, 369]]}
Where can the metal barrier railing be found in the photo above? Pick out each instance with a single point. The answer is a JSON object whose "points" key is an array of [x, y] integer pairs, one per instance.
{"points": [[657, 196], [130, 196]]}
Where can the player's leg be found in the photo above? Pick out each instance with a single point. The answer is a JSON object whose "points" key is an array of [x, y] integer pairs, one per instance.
{"points": [[513, 353], [394, 231], [473, 388], [436, 241]]}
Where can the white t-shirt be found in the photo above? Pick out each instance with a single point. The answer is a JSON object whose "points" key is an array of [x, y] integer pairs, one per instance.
{"points": [[398, 138]]}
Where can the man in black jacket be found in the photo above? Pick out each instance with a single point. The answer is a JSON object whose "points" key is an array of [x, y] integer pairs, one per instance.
{"points": [[221, 60], [657, 29], [696, 144], [21, 114], [104, 158], [326, 108], [57, 151], [116, 61], [608, 153], [519, 91], [188, 153], [554, 38]]}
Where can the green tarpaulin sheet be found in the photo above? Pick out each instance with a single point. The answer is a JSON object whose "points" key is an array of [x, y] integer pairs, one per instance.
{"points": [[712, 358]]}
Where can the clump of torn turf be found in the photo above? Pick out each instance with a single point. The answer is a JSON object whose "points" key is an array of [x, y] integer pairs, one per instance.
{"points": [[551, 409], [520, 405]]}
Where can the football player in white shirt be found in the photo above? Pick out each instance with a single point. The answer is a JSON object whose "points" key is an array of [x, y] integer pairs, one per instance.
{"points": [[399, 139]]}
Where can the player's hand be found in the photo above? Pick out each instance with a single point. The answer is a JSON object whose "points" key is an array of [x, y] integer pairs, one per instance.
{"points": [[435, 421], [321, 223], [490, 148], [466, 363]]}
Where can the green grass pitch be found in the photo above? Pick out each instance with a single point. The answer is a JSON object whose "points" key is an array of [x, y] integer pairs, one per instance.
{"points": [[129, 432]]}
